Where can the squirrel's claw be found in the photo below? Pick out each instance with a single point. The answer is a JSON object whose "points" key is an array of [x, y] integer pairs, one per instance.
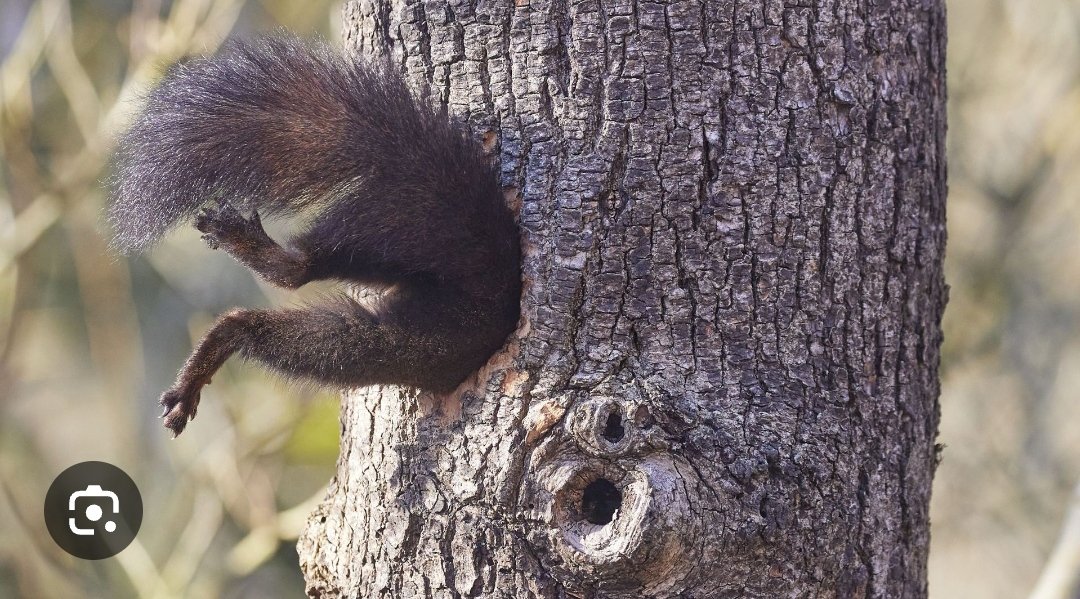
{"points": [[223, 224], [179, 408]]}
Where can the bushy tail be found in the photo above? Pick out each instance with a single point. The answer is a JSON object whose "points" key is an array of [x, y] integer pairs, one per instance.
{"points": [[279, 124]]}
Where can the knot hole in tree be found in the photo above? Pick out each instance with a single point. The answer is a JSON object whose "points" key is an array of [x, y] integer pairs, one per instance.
{"points": [[617, 500], [614, 430], [607, 427], [600, 501]]}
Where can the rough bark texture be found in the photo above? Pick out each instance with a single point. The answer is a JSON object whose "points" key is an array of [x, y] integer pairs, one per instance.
{"points": [[725, 381]]}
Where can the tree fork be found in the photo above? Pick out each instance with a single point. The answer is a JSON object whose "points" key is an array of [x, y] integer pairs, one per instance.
{"points": [[725, 380]]}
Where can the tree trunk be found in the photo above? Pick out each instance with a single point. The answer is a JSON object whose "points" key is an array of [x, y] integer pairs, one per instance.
{"points": [[725, 380]]}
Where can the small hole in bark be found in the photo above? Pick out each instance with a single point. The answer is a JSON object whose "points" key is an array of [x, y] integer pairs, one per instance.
{"points": [[600, 500], [613, 429]]}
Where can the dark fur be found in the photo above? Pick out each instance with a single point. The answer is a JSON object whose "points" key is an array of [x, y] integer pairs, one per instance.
{"points": [[402, 197]]}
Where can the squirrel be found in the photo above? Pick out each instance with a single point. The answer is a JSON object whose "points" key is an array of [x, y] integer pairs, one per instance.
{"points": [[399, 198]]}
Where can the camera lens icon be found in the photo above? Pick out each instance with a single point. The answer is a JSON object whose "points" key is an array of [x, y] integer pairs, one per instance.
{"points": [[93, 511]]}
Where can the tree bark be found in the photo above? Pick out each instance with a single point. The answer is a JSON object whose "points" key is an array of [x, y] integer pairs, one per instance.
{"points": [[725, 379]]}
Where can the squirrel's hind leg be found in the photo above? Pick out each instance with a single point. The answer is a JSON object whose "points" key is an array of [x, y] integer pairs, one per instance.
{"points": [[244, 238], [340, 343], [227, 337]]}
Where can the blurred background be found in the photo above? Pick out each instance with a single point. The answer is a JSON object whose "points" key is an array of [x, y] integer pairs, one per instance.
{"points": [[1010, 398], [86, 339]]}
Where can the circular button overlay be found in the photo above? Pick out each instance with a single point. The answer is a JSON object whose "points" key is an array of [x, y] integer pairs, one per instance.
{"points": [[93, 510]]}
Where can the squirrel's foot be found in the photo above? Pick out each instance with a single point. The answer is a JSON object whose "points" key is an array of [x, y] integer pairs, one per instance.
{"points": [[180, 407], [225, 226], [244, 238]]}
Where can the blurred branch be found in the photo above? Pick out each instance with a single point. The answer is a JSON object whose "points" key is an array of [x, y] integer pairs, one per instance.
{"points": [[263, 540], [140, 569], [16, 71], [205, 521], [24, 229], [70, 75], [1061, 577]]}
